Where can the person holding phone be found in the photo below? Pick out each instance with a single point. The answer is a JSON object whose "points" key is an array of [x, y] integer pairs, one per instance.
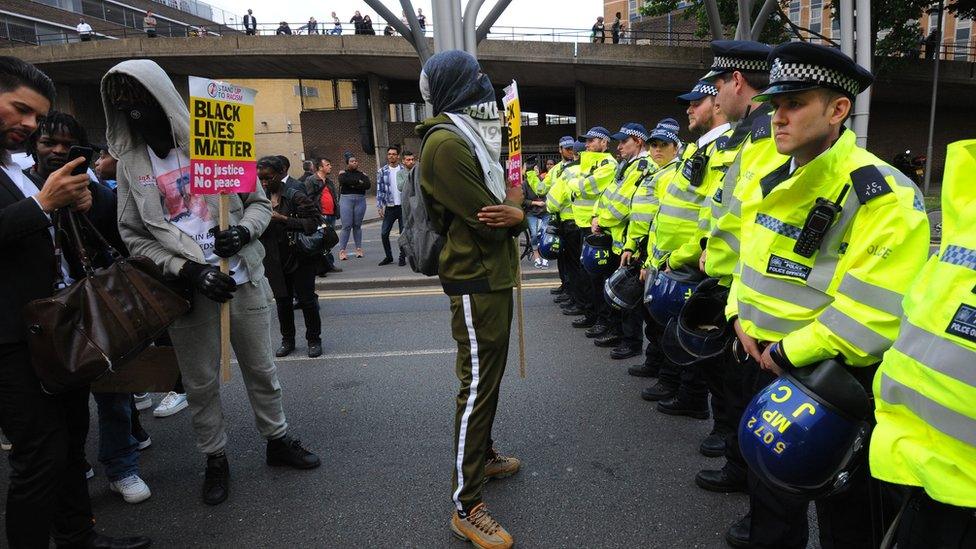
{"points": [[48, 494]]}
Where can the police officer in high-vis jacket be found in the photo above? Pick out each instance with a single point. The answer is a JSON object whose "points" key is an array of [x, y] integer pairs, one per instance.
{"points": [[596, 170], [611, 215], [826, 256], [925, 390], [559, 204]]}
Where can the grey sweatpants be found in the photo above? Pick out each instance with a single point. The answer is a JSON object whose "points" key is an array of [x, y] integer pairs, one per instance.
{"points": [[196, 339]]}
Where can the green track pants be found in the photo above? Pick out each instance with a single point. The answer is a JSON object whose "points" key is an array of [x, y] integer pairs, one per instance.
{"points": [[481, 325]]}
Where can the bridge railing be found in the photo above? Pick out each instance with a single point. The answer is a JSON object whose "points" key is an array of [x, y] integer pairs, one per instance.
{"points": [[958, 51]]}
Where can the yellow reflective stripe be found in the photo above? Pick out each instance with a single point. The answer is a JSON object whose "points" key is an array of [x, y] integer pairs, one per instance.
{"points": [[854, 332], [766, 321], [880, 298], [936, 353], [797, 294], [947, 420], [679, 212]]}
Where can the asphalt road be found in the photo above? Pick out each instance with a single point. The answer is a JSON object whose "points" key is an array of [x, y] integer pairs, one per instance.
{"points": [[601, 468]]}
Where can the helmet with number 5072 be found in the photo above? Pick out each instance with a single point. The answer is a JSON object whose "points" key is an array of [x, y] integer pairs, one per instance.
{"points": [[807, 431]]}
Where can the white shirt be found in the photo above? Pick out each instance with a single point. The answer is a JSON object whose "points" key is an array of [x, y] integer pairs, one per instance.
{"points": [[713, 134], [394, 191], [84, 28], [189, 212], [30, 190]]}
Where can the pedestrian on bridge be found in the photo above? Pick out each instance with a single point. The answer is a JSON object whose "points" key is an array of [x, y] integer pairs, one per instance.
{"points": [[478, 267]]}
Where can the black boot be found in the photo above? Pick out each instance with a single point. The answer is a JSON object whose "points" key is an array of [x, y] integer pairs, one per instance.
{"points": [[658, 391], [643, 370], [286, 348], [624, 351], [557, 290], [677, 406], [596, 330], [216, 480], [583, 322], [98, 541], [713, 445], [314, 349], [738, 534], [289, 452], [723, 481], [609, 339]]}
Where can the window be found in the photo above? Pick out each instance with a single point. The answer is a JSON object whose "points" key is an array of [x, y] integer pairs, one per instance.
{"points": [[835, 27], [795, 11], [307, 91], [961, 49]]}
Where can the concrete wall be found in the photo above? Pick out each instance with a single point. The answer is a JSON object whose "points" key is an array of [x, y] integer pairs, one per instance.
{"points": [[332, 133]]}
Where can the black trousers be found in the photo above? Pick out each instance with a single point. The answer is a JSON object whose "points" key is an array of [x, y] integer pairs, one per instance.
{"points": [[927, 523], [688, 380], [715, 373], [579, 282], [390, 214], [48, 493], [653, 357], [300, 284], [631, 324], [853, 519]]}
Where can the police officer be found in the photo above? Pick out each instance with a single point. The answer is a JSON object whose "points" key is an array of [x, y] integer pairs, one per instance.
{"points": [[558, 204], [832, 245], [597, 168], [682, 391], [611, 215], [663, 149], [926, 387]]}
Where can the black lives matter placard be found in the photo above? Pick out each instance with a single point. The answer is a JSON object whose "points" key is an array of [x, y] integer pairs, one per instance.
{"points": [[222, 158]]}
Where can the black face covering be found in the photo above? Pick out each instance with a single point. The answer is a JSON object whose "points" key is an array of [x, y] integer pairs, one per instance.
{"points": [[452, 80]]}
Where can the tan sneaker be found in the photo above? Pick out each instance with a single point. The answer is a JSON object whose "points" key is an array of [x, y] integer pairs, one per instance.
{"points": [[481, 529], [499, 466]]}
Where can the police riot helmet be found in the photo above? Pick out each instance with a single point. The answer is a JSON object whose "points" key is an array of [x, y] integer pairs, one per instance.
{"points": [[700, 331], [670, 291], [649, 284], [623, 289], [595, 256], [807, 431], [550, 243]]}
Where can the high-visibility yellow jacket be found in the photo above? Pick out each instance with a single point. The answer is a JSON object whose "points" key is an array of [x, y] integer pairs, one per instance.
{"points": [[612, 209], [750, 148], [845, 300], [677, 218], [559, 198], [925, 390], [645, 203], [596, 172], [542, 186]]}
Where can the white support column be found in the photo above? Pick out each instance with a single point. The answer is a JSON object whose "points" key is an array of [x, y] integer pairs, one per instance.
{"points": [[862, 105]]}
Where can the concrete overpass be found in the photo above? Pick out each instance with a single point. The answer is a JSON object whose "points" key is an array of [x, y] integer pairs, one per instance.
{"points": [[598, 83]]}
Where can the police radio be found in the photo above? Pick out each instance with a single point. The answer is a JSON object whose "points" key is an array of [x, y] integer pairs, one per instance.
{"points": [[818, 222], [695, 169]]}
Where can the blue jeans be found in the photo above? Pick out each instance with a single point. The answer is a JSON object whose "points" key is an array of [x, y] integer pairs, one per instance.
{"points": [[118, 450], [537, 224], [352, 209]]}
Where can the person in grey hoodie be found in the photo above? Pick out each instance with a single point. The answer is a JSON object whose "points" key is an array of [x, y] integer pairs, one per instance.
{"points": [[147, 128]]}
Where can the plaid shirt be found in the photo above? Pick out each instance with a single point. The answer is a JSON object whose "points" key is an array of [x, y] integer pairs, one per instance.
{"points": [[386, 187]]}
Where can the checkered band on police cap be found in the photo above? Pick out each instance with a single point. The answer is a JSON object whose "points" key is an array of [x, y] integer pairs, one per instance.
{"points": [[566, 142], [634, 132], [815, 74], [705, 87], [724, 63]]}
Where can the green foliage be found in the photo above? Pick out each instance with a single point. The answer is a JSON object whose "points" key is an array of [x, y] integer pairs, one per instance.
{"points": [[773, 33]]}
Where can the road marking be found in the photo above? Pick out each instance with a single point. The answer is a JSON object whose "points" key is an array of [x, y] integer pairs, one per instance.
{"points": [[387, 354], [410, 292]]}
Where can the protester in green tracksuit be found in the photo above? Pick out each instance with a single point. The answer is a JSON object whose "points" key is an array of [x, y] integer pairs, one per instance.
{"points": [[468, 200], [664, 146]]}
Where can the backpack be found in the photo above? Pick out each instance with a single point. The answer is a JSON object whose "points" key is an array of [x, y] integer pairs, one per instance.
{"points": [[420, 241]]}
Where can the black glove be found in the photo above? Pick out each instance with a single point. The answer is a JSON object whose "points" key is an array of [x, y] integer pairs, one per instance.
{"points": [[209, 281], [228, 243]]}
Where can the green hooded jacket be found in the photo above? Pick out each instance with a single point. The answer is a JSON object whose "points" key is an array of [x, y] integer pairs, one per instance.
{"points": [[476, 258]]}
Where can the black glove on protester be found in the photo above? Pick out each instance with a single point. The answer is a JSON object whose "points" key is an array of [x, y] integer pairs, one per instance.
{"points": [[228, 243], [209, 281]]}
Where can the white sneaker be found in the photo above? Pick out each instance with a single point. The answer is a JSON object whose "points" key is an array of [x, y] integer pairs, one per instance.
{"points": [[143, 444], [143, 401], [538, 263], [171, 404], [545, 263], [132, 488]]}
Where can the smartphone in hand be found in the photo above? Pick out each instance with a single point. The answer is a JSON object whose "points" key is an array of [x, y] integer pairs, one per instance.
{"points": [[78, 151]]}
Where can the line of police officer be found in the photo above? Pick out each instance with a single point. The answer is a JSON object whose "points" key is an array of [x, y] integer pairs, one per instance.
{"points": [[782, 268]]}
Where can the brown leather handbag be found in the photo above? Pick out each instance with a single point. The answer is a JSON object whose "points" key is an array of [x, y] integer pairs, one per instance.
{"points": [[101, 322]]}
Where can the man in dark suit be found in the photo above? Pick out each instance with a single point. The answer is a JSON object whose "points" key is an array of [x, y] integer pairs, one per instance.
{"points": [[48, 494], [250, 24]]}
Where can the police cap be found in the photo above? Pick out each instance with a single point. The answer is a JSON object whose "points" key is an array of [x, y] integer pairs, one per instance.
{"points": [[566, 142], [596, 132], [702, 89], [800, 66], [632, 129], [738, 55]]}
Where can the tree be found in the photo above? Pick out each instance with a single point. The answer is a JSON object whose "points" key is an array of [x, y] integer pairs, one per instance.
{"points": [[774, 32]]}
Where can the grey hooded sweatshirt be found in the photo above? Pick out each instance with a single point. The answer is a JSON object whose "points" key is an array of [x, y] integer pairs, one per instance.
{"points": [[141, 221]]}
